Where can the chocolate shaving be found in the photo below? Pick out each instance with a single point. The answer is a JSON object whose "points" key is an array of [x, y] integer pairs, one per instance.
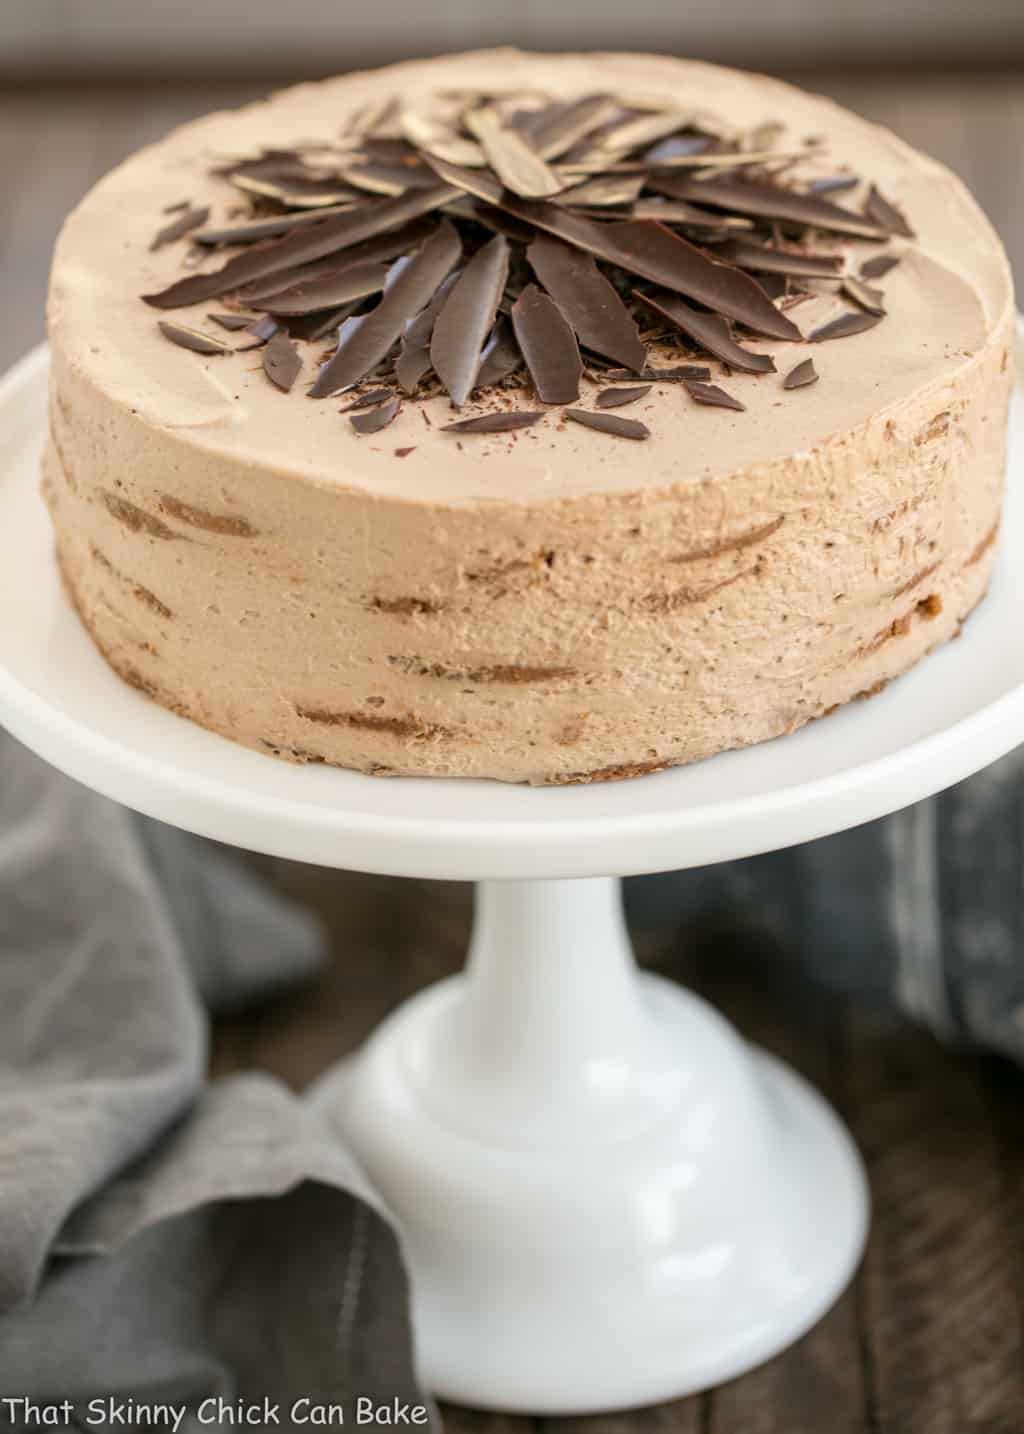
{"points": [[604, 190], [178, 228], [262, 330], [193, 339], [375, 250], [270, 228], [846, 325], [367, 400], [619, 397], [558, 131], [501, 356], [374, 217], [414, 356], [885, 214], [768, 201], [878, 266], [710, 331], [232, 322], [682, 374], [462, 326], [404, 452], [281, 361], [767, 259], [587, 299], [548, 345], [677, 211], [833, 184], [714, 396], [799, 377], [495, 422], [654, 252], [357, 282], [411, 283], [609, 423], [863, 294], [377, 418], [520, 168]]}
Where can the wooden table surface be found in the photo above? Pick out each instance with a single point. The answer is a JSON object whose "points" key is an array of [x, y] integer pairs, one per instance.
{"points": [[928, 1341]]}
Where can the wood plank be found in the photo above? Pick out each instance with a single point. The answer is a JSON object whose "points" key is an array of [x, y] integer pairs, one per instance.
{"points": [[941, 1317], [818, 1384]]}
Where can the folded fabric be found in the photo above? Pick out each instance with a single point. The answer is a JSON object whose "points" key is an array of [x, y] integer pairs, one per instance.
{"points": [[162, 1241]]}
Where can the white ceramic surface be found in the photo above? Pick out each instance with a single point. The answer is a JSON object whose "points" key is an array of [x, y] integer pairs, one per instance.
{"points": [[607, 1198], [956, 712]]}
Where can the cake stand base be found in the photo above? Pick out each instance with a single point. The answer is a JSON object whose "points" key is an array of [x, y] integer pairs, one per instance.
{"points": [[606, 1197]]}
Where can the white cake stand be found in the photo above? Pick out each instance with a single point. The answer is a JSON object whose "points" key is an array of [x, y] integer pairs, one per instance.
{"points": [[606, 1197]]}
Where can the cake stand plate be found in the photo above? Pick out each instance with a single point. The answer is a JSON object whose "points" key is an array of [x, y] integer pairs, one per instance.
{"points": [[605, 1196]]}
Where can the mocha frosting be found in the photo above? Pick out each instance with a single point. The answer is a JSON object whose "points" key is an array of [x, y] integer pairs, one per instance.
{"points": [[551, 605]]}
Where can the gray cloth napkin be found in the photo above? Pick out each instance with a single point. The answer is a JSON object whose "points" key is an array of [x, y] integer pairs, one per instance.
{"points": [[163, 1241]]}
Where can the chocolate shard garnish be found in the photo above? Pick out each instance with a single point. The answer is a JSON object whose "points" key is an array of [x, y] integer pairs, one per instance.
{"points": [[640, 131], [609, 423], [519, 167], [845, 326], [411, 284], [357, 282], [873, 300], [619, 397], [769, 201], [878, 266], [377, 216], [178, 228], [496, 422], [480, 183], [376, 250], [500, 357], [434, 141], [677, 211], [548, 345], [885, 214], [653, 252], [193, 339], [261, 330], [382, 178], [833, 184], [377, 418], [587, 299], [293, 194], [678, 146], [269, 228], [709, 330], [323, 324], [603, 191], [404, 452], [414, 356], [683, 374], [556, 133], [281, 361], [367, 400], [232, 322], [805, 373], [462, 326], [768, 259], [714, 396]]}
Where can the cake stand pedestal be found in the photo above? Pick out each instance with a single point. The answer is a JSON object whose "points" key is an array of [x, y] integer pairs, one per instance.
{"points": [[606, 1197]]}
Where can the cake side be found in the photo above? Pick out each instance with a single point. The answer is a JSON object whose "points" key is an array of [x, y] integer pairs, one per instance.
{"points": [[542, 610]]}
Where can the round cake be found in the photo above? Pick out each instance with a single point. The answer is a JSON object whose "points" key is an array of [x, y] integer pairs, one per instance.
{"points": [[540, 418]]}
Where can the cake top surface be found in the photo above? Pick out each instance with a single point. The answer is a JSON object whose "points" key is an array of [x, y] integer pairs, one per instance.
{"points": [[687, 183]]}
